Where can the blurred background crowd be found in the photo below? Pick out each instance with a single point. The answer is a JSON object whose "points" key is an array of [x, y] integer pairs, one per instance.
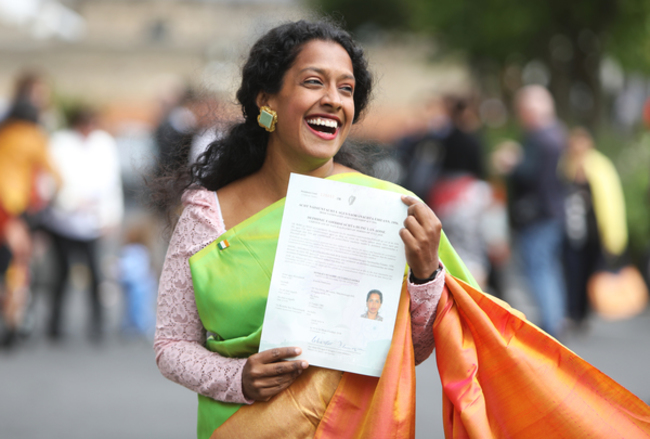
{"points": [[524, 125]]}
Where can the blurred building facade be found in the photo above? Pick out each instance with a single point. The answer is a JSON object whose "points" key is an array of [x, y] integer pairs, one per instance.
{"points": [[125, 54], [128, 49]]}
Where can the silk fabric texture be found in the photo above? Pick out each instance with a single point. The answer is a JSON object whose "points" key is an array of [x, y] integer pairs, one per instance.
{"points": [[503, 377]]}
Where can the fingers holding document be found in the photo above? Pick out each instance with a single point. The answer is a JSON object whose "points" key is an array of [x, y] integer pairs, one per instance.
{"points": [[421, 236], [267, 373]]}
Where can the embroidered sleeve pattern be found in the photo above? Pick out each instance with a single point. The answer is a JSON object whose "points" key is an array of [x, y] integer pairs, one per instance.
{"points": [[180, 336], [424, 304]]}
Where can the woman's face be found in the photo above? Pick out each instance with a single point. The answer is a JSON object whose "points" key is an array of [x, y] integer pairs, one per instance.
{"points": [[315, 105], [373, 303]]}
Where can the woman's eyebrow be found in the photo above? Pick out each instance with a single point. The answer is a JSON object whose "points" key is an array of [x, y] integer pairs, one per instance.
{"points": [[324, 72]]}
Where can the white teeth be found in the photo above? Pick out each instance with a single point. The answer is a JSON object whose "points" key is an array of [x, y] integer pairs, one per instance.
{"points": [[322, 121]]}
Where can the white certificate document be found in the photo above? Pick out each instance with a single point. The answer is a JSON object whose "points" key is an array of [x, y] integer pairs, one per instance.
{"points": [[340, 261]]}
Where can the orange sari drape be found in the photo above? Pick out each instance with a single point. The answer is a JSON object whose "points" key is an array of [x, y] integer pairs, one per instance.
{"points": [[502, 377]]}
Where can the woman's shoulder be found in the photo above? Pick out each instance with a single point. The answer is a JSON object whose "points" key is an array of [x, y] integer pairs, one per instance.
{"points": [[198, 196], [199, 224], [202, 204]]}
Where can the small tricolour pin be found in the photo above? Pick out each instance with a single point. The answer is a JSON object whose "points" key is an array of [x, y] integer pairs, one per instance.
{"points": [[223, 244]]}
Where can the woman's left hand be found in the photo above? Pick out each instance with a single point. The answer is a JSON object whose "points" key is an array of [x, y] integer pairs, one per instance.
{"points": [[421, 236]]}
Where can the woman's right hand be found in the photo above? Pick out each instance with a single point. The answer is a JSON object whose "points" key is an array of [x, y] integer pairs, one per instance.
{"points": [[266, 373]]}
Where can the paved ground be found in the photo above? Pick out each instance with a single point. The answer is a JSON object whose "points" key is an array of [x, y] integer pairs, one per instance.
{"points": [[79, 390]]}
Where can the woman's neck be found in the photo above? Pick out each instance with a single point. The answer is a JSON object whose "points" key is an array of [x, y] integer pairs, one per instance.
{"points": [[243, 198], [275, 173]]}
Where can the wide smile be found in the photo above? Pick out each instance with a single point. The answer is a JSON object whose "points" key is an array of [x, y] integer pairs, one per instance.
{"points": [[326, 128]]}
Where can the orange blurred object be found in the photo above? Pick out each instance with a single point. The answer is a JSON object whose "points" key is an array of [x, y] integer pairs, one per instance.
{"points": [[618, 295]]}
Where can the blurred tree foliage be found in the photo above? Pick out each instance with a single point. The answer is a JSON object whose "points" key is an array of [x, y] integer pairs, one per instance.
{"points": [[569, 36]]}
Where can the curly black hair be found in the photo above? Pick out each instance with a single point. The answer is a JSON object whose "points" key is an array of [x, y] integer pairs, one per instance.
{"points": [[242, 151]]}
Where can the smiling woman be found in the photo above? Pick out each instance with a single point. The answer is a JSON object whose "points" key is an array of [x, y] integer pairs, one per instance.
{"points": [[303, 86], [315, 108], [311, 80]]}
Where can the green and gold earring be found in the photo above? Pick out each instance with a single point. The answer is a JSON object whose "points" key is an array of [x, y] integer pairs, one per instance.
{"points": [[267, 118]]}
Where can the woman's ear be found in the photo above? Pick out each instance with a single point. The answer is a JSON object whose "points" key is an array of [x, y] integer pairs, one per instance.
{"points": [[262, 99]]}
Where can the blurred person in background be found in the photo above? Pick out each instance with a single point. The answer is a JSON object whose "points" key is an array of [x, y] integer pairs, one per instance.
{"points": [[211, 125], [176, 131], [24, 159], [31, 94], [420, 152], [87, 207], [459, 194], [461, 140], [138, 282], [444, 166], [493, 223], [496, 232], [595, 221], [536, 197]]}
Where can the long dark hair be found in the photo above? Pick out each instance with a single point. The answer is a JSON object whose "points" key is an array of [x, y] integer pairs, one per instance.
{"points": [[242, 150]]}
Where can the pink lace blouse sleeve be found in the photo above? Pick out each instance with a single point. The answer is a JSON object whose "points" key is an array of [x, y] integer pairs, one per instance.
{"points": [[180, 335], [424, 304]]}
